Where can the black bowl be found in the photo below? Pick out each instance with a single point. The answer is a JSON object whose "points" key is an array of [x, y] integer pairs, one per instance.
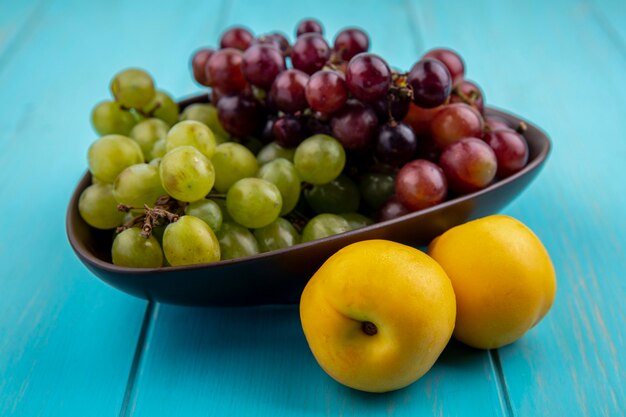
{"points": [[278, 277]]}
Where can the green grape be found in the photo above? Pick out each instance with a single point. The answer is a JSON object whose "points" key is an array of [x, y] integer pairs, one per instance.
{"points": [[131, 215], [98, 208], [191, 133], [157, 232], [132, 88], [357, 220], [159, 149], [253, 202], [340, 195], [207, 114], [319, 159], [111, 154], [236, 241], [162, 107], [138, 185], [155, 162], [277, 235], [376, 189], [186, 174], [131, 249], [139, 117], [273, 151], [221, 203], [208, 211], [324, 225], [232, 162], [283, 175], [190, 241], [108, 118], [148, 132]]}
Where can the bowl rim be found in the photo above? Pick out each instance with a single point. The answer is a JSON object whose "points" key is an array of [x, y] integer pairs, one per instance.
{"points": [[87, 256]]}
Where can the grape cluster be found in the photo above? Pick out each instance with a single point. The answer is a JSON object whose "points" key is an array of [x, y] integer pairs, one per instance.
{"points": [[299, 142]]}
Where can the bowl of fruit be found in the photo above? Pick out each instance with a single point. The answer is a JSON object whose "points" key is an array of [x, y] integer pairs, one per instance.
{"points": [[238, 195]]}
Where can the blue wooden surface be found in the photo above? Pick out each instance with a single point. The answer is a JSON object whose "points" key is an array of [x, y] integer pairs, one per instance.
{"points": [[71, 346]]}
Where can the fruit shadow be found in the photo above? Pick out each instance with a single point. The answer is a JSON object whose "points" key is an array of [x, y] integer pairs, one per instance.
{"points": [[260, 355], [457, 362], [255, 355]]}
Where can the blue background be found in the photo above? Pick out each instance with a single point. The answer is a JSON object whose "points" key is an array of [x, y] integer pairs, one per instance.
{"points": [[72, 346]]}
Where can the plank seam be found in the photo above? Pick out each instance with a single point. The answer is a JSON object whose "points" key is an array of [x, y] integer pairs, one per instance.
{"points": [[129, 393], [607, 27], [223, 13], [503, 390], [12, 46], [414, 28]]}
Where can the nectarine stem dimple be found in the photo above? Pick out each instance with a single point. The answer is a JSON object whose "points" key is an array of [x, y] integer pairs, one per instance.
{"points": [[369, 328]]}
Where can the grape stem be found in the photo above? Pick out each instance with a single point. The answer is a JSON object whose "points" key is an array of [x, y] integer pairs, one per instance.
{"points": [[521, 128], [166, 209], [143, 113], [335, 59], [470, 99], [216, 195]]}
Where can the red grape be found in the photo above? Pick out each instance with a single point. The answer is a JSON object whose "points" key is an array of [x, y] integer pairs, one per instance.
{"points": [[198, 65], [470, 164], [240, 116], [455, 122], [431, 83], [511, 151], [309, 26], [355, 125], [288, 131], [469, 93], [261, 64], [319, 125], [275, 39], [237, 37], [288, 92], [326, 91], [368, 77], [350, 42], [310, 53], [282, 41], [267, 134], [496, 123], [216, 95], [426, 149], [395, 106], [224, 70], [451, 60], [392, 209], [395, 144], [421, 184], [419, 119]]}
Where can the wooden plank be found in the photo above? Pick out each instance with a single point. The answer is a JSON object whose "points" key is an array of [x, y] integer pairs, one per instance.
{"points": [[67, 341], [553, 63], [255, 361]]}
